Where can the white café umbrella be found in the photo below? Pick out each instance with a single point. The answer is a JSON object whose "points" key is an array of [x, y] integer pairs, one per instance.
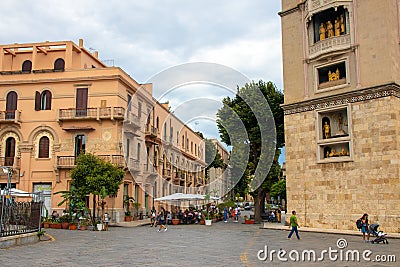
{"points": [[17, 193]]}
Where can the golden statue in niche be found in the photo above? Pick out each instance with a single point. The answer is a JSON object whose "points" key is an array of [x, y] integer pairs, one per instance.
{"points": [[341, 24], [322, 31], [333, 76], [337, 27], [327, 130], [332, 153], [329, 27]]}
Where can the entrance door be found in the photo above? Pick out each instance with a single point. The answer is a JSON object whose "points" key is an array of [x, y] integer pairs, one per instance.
{"points": [[45, 189], [81, 102]]}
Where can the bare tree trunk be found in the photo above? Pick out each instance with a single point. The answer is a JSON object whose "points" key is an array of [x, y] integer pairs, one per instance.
{"points": [[259, 200], [94, 206]]}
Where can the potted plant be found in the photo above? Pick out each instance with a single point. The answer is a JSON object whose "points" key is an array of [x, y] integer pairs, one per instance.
{"points": [[247, 220], [207, 214], [128, 216], [127, 205], [175, 220], [64, 220], [46, 222], [72, 226], [83, 224], [99, 225], [56, 224]]}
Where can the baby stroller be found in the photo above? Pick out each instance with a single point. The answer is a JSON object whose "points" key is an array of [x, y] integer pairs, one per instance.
{"points": [[380, 236]]}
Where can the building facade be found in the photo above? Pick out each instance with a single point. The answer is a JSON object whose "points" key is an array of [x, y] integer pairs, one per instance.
{"points": [[341, 76], [220, 182], [59, 100]]}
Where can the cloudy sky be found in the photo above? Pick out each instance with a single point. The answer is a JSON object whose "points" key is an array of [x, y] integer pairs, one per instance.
{"points": [[145, 38]]}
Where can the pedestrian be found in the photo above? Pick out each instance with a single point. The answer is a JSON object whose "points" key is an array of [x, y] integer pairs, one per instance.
{"points": [[236, 214], [364, 227], [162, 218], [106, 221], [153, 217], [294, 224], [225, 215]]}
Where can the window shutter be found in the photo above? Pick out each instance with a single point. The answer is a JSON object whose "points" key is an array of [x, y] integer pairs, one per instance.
{"points": [[37, 101], [44, 147]]}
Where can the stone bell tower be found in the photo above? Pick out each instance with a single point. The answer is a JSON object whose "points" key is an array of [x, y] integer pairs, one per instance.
{"points": [[341, 61]]}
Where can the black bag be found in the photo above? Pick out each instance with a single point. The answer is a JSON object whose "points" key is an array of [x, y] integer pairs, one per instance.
{"points": [[359, 224]]}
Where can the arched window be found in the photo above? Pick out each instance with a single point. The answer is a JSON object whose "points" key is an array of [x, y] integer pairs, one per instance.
{"points": [[11, 105], [59, 64], [44, 147], [26, 66], [10, 151], [43, 100]]}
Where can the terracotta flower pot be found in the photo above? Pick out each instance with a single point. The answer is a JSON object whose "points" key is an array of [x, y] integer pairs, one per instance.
{"points": [[72, 227], [175, 221]]}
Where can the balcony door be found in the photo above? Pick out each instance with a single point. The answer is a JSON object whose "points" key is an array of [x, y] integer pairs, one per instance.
{"points": [[11, 105], [81, 102], [80, 145]]}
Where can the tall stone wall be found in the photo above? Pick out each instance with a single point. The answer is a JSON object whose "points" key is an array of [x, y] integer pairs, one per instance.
{"points": [[333, 195]]}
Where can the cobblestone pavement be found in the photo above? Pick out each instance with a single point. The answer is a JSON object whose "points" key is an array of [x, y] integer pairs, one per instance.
{"points": [[222, 244]]}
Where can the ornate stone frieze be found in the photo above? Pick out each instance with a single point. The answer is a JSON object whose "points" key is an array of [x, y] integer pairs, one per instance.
{"points": [[345, 98], [315, 4]]}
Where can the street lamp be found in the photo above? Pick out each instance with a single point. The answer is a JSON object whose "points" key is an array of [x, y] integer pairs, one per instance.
{"points": [[7, 190]]}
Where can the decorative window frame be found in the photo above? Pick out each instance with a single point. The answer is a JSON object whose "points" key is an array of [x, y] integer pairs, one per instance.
{"points": [[345, 141], [51, 143], [334, 86]]}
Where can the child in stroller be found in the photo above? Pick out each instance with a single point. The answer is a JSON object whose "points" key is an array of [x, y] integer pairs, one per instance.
{"points": [[380, 236]]}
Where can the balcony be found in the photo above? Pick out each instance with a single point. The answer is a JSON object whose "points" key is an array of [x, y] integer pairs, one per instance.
{"points": [[73, 114], [134, 165], [199, 181], [10, 116], [69, 162], [66, 162], [13, 162], [117, 160], [166, 174], [132, 121], [328, 45], [151, 131]]}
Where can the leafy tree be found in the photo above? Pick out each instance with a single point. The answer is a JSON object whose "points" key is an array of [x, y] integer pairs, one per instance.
{"points": [[247, 111], [93, 175], [279, 189]]}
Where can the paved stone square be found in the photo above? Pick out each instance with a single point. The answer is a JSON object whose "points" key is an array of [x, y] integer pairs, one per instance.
{"points": [[222, 244]]}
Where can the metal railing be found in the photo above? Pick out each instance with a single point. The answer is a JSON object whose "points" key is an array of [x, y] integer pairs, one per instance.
{"points": [[19, 217]]}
